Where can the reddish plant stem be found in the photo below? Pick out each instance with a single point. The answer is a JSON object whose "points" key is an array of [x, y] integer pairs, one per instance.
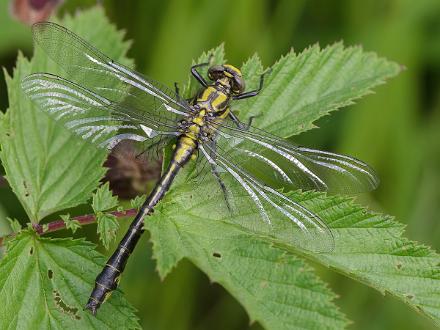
{"points": [[82, 219]]}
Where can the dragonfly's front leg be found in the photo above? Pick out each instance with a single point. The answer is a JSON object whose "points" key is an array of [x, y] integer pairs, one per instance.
{"points": [[178, 95], [255, 92], [197, 74], [177, 91]]}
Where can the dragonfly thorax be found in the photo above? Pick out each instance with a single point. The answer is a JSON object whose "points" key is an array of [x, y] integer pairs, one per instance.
{"points": [[214, 99]]}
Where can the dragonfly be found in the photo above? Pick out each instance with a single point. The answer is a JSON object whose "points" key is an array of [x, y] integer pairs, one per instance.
{"points": [[105, 103]]}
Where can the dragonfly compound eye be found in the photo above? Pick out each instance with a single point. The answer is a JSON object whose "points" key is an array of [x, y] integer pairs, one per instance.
{"points": [[216, 72], [238, 85], [237, 81]]}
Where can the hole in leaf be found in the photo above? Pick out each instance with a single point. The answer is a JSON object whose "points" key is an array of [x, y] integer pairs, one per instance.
{"points": [[31, 251], [50, 274], [216, 255], [399, 266], [63, 307]]}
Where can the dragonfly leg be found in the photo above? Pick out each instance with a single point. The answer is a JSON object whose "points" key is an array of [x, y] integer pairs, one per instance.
{"points": [[219, 179], [255, 92], [177, 90], [249, 123], [239, 124], [197, 74], [178, 95], [222, 186]]}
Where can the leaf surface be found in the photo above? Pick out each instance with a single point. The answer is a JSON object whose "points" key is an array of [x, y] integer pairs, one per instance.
{"points": [[257, 261], [106, 228], [306, 86], [44, 284], [103, 199]]}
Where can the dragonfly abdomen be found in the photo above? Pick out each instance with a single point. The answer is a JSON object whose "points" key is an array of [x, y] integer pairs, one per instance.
{"points": [[108, 279]]}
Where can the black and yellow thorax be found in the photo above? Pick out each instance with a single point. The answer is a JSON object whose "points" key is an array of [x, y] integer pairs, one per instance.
{"points": [[211, 104], [214, 99]]}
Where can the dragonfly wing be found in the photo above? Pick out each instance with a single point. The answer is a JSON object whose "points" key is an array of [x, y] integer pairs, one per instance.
{"points": [[89, 115], [282, 164], [303, 227], [88, 67]]}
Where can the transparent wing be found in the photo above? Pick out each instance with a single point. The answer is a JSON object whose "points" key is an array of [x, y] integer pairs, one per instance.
{"points": [[90, 115], [303, 227], [280, 164], [88, 67]]}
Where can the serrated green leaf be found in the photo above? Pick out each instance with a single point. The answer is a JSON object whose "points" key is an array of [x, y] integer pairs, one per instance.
{"points": [[103, 199], [304, 87], [369, 249], [48, 168], [277, 289], [107, 228], [71, 224], [137, 202], [44, 283], [14, 224]]}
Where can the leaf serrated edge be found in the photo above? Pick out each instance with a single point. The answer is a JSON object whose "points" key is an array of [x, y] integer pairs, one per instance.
{"points": [[339, 46]]}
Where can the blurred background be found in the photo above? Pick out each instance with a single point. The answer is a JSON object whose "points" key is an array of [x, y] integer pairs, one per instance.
{"points": [[396, 130]]}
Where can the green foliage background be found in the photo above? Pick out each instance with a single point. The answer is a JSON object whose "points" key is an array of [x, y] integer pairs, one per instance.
{"points": [[397, 130]]}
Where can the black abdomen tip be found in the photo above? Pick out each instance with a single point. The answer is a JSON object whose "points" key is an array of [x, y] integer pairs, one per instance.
{"points": [[92, 306]]}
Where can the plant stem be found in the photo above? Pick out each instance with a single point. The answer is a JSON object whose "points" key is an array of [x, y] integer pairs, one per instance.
{"points": [[60, 224]]}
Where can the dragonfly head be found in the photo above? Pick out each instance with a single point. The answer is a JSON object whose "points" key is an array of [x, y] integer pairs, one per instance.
{"points": [[230, 74]]}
